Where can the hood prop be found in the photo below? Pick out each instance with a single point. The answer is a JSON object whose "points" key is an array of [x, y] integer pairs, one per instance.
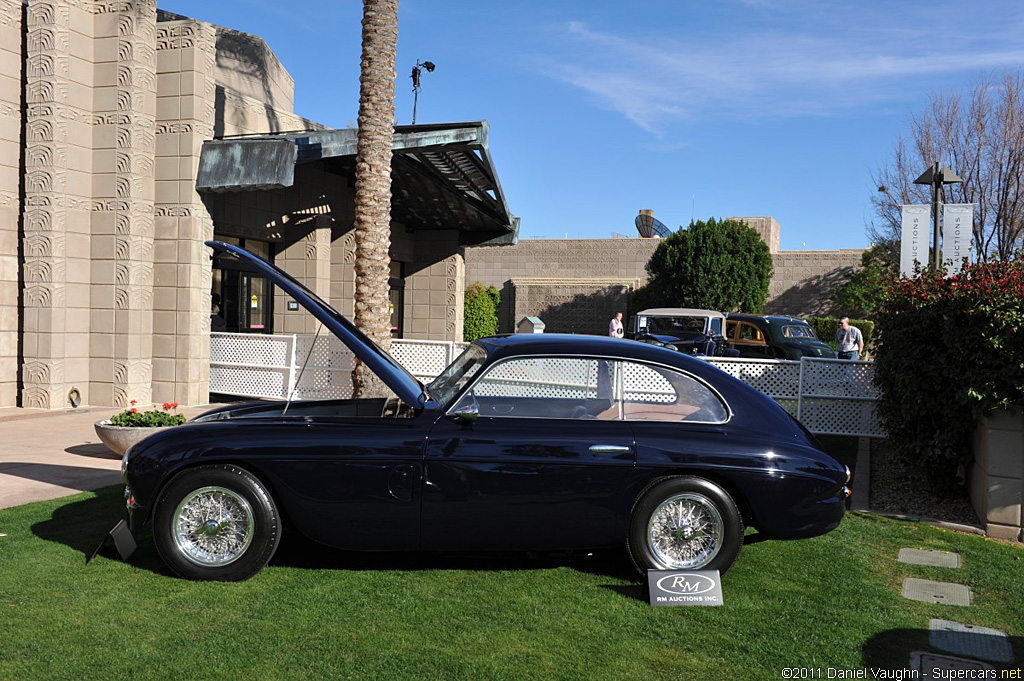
{"points": [[302, 369]]}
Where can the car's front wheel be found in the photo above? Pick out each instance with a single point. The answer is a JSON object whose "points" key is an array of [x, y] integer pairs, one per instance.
{"points": [[685, 523], [216, 523]]}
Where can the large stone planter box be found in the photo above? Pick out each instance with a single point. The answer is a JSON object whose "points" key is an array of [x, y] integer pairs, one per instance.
{"points": [[997, 477], [119, 438]]}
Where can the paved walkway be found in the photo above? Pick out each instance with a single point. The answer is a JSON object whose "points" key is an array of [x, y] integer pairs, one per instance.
{"points": [[52, 454]]}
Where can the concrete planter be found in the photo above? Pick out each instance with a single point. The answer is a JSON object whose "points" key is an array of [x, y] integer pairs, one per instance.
{"points": [[997, 476], [119, 438]]}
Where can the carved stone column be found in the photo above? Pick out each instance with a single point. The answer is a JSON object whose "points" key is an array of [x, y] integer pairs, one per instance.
{"points": [[47, 84], [123, 159], [10, 200], [309, 260], [185, 116]]}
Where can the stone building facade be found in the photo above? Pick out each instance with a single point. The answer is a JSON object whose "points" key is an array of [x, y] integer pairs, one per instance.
{"points": [[576, 285], [105, 284]]}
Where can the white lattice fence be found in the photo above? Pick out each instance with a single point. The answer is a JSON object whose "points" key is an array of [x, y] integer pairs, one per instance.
{"points": [[425, 359], [251, 365], [323, 368], [838, 397], [778, 379], [829, 396], [271, 366]]}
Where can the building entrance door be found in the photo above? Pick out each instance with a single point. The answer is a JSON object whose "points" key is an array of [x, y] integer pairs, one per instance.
{"points": [[246, 300]]}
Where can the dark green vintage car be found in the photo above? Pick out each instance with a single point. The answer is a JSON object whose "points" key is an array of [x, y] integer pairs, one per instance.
{"points": [[774, 337]]}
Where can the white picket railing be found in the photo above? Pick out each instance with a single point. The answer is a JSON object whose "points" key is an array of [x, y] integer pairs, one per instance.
{"points": [[829, 396]]}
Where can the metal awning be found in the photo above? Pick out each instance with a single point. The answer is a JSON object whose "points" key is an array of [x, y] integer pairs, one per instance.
{"points": [[442, 175]]}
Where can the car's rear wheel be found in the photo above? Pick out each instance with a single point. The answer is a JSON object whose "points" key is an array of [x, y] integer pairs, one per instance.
{"points": [[216, 523], [685, 523]]}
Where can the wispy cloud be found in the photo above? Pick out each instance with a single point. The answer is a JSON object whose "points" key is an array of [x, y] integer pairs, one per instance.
{"points": [[810, 70]]}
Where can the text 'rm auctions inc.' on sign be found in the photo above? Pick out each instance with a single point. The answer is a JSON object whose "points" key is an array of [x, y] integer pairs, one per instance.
{"points": [[677, 587]]}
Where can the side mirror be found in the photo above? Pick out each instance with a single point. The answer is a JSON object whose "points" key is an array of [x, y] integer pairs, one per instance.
{"points": [[467, 414]]}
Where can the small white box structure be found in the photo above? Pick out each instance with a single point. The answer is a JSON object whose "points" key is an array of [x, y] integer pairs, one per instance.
{"points": [[530, 325]]}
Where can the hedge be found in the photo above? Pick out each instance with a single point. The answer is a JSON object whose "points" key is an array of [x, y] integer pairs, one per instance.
{"points": [[949, 350], [481, 311]]}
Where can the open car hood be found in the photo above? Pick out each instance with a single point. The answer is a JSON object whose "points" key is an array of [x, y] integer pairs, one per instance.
{"points": [[394, 375]]}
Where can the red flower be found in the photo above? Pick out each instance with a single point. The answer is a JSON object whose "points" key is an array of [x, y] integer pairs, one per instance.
{"points": [[167, 406], [133, 409], [174, 405], [134, 402]]}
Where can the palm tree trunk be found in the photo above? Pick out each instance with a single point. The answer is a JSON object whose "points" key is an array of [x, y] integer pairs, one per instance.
{"points": [[373, 182]]}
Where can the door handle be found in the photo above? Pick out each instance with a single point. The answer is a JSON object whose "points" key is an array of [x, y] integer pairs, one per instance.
{"points": [[609, 449]]}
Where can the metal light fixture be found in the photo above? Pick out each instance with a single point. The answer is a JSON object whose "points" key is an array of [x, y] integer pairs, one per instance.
{"points": [[936, 176], [429, 66]]}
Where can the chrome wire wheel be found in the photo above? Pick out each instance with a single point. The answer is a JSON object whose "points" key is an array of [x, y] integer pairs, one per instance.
{"points": [[685, 531], [213, 526]]}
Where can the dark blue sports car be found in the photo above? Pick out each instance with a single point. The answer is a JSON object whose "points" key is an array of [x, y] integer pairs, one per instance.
{"points": [[525, 442]]}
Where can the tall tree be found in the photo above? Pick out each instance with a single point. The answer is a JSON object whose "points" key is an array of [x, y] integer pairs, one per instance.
{"points": [[979, 134], [718, 265], [373, 182]]}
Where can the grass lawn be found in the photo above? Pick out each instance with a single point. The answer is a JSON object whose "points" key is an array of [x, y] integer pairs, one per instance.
{"points": [[832, 601]]}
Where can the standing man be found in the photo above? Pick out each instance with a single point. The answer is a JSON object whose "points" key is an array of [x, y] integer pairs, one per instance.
{"points": [[849, 339], [615, 326]]}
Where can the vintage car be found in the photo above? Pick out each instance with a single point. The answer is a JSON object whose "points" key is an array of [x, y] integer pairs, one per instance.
{"points": [[774, 337], [691, 331], [529, 442]]}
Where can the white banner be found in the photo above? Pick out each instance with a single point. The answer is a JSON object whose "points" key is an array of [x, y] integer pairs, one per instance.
{"points": [[915, 238], [957, 229]]}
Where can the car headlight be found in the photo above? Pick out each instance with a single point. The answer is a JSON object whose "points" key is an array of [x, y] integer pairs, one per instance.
{"points": [[124, 464]]}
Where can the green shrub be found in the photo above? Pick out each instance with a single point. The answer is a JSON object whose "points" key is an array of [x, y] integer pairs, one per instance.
{"points": [[481, 311], [714, 265], [825, 328], [949, 350]]}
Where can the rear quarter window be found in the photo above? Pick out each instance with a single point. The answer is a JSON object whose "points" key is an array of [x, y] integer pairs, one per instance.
{"points": [[655, 393]]}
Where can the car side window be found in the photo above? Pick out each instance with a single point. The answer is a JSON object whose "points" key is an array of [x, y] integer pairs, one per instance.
{"points": [[661, 394], [797, 332], [546, 387], [749, 332]]}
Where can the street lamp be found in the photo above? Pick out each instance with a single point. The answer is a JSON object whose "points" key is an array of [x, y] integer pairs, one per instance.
{"points": [[936, 176], [429, 66]]}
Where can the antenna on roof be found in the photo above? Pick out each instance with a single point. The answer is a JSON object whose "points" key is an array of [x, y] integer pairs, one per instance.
{"points": [[650, 226]]}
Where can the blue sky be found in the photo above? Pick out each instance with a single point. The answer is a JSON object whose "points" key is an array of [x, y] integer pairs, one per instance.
{"points": [[692, 108]]}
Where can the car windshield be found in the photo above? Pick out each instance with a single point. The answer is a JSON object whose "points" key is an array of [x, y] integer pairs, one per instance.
{"points": [[450, 382], [799, 332], [675, 324]]}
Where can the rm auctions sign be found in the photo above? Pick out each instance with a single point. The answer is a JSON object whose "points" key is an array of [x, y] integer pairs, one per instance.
{"points": [[675, 587]]}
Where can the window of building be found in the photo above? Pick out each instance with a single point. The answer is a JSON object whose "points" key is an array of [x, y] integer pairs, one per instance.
{"points": [[396, 295], [245, 300]]}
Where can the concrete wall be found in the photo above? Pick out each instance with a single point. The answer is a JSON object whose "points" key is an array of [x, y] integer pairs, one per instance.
{"points": [[767, 228], [997, 477], [569, 305], [563, 274], [804, 280]]}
